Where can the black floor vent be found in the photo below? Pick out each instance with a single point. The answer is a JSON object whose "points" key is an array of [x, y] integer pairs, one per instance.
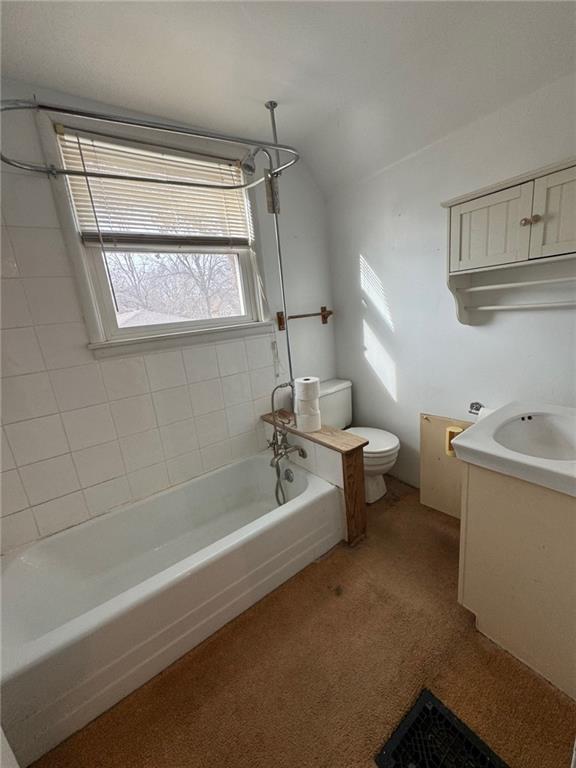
{"points": [[430, 736]]}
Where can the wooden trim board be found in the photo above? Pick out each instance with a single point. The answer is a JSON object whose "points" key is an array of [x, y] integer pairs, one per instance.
{"points": [[330, 437]]}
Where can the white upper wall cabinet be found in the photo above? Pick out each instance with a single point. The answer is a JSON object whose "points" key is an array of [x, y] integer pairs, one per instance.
{"points": [[532, 219], [554, 215], [512, 246], [491, 229]]}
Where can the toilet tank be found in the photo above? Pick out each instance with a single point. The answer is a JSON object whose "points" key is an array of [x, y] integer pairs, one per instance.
{"points": [[336, 403]]}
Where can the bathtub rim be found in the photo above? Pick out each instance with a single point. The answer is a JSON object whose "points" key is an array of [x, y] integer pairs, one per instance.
{"points": [[19, 658]]}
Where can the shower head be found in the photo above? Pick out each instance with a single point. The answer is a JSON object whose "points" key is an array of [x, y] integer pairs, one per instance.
{"points": [[248, 162]]}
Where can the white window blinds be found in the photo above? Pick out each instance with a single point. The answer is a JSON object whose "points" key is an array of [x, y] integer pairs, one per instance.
{"points": [[134, 212]]}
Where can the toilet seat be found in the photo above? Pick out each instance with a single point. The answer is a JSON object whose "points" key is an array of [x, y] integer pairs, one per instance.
{"points": [[379, 457], [380, 442]]}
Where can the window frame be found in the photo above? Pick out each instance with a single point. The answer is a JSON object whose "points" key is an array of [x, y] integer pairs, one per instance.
{"points": [[96, 293], [104, 292]]}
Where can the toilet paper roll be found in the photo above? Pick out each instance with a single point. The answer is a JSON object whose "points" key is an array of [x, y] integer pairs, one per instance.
{"points": [[308, 423], [308, 407], [307, 388]]}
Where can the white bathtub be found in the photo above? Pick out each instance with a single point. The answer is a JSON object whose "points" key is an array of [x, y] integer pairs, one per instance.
{"points": [[92, 613]]}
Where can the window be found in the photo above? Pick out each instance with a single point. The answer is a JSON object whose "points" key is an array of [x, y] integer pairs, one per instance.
{"points": [[162, 258]]}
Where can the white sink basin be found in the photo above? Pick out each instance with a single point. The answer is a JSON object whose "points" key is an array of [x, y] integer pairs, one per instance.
{"points": [[532, 442], [546, 435]]}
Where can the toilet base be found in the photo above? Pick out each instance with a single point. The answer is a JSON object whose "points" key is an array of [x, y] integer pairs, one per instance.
{"points": [[375, 487]]}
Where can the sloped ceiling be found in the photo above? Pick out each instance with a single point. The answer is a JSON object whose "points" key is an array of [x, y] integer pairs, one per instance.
{"points": [[360, 85]]}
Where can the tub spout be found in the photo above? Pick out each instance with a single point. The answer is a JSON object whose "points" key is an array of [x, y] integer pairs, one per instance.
{"points": [[284, 451]]}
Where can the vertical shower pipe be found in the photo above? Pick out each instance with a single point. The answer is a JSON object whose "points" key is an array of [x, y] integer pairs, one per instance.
{"points": [[271, 106]]}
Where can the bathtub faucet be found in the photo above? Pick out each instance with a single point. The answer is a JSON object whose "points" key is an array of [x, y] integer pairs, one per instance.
{"points": [[283, 449], [279, 443]]}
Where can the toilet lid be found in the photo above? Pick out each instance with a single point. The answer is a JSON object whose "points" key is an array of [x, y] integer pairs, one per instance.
{"points": [[380, 441]]}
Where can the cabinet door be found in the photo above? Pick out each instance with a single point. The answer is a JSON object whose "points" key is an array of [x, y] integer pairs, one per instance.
{"points": [[488, 231], [554, 231]]}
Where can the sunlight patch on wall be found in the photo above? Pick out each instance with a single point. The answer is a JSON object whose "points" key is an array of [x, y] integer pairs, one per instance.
{"points": [[373, 288], [380, 361]]}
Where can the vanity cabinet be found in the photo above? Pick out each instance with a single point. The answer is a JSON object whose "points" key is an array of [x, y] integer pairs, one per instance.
{"points": [[518, 570]]}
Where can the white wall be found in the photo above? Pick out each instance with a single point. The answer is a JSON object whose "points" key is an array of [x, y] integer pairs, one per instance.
{"points": [[397, 336], [82, 436], [306, 269]]}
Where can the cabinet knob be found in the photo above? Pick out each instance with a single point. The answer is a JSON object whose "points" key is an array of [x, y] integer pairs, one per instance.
{"points": [[530, 220]]}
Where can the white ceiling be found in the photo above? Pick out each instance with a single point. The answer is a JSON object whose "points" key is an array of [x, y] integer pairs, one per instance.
{"points": [[360, 85]]}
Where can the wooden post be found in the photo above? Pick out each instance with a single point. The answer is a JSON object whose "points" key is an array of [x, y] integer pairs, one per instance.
{"points": [[355, 499], [350, 447]]}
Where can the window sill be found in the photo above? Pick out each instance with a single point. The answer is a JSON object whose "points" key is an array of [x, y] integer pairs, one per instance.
{"points": [[128, 346]]}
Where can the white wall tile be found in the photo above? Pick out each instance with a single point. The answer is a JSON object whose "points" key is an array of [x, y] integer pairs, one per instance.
{"points": [[231, 358], [124, 377], [172, 405], [214, 456], [261, 406], [259, 352], [54, 516], [134, 414], [15, 311], [9, 265], [7, 457], [261, 437], [98, 463], [18, 529], [165, 370], [89, 426], [13, 496], [40, 252], [200, 363], [241, 419], [49, 479], [64, 344], [27, 201], [106, 496], [37, 439], [262, 382], [184, 467], [179, 438], [243, 445], [20, 352], [211, 428], [206, 396], [147, 481], [236, 389], [26, 397], [78, 387], [329, 465], [52, 299], [142, 450]]}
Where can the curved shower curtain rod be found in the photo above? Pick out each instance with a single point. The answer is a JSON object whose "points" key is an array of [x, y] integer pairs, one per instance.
{"points": [[52, 170]]}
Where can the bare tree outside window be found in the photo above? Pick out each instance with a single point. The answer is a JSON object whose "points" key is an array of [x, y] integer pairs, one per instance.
{"points": [[153, 288]]}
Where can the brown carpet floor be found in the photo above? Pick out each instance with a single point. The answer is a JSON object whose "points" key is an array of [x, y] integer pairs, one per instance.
{"points": [[318, 674]]}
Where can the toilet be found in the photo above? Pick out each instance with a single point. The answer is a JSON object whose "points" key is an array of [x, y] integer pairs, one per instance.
{"points": [[382, 450]]}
